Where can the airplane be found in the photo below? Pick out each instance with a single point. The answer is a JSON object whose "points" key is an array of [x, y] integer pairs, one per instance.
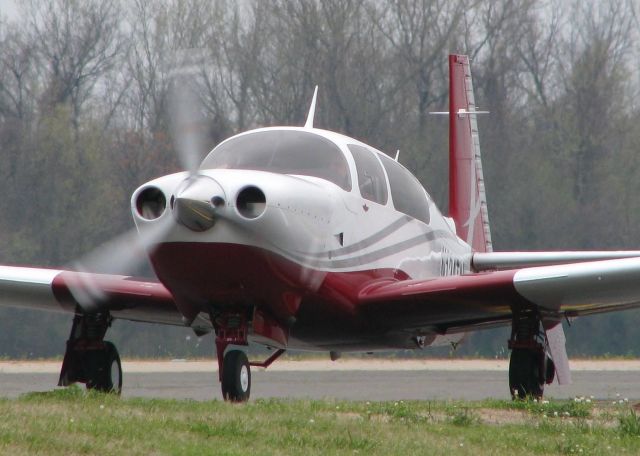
{"points": [[303, 238]]}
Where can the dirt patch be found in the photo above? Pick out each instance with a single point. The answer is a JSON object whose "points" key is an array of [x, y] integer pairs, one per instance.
{"points": [[502, 416]]}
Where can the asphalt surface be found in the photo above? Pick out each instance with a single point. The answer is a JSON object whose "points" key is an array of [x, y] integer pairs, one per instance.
{"points": [[380, 383]]}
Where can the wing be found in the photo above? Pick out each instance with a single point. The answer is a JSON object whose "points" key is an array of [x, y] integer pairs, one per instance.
{"points": [[510, 260], [459, 303], [57, 290]]}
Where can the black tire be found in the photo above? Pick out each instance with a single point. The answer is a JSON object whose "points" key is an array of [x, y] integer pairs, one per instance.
{"points": [[550, 370], [525, 379], [236, 377], [104, 370]]}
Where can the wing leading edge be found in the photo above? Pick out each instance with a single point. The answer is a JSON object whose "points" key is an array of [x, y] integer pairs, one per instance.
{"points": [[459, 303], [54, 290]]}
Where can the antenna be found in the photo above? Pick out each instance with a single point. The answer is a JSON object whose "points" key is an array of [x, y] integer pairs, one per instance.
{"points": [[397, 155], [312, 110]]}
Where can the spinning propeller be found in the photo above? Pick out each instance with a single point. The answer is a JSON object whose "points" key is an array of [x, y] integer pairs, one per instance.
{"points": [[197, 202], [192, 204]]}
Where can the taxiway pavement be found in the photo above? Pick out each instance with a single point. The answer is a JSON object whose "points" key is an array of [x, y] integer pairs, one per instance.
{"points": [[357, 379]]}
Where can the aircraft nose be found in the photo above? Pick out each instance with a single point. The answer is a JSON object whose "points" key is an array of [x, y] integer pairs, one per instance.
{"points": [[197, 202]]}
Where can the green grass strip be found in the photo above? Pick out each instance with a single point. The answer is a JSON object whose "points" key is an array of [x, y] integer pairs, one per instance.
{"points": [[72, 421]]}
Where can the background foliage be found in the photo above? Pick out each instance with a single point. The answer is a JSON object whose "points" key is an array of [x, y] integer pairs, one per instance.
{"points": [[83, 121]]}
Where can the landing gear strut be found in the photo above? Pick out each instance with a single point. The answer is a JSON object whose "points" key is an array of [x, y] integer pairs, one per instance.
{"points": [[530, 367], [89, 358], [234, 369]]}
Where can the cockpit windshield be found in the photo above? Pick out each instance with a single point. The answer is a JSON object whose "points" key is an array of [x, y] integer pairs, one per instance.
{"points": [[284, 152]]}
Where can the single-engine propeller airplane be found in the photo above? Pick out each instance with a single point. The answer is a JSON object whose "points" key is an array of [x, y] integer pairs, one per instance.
{"points": [[302, 238]]}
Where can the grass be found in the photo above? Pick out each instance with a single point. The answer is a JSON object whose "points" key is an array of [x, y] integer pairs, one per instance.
{"points": [[629, 423], [71, 421]]}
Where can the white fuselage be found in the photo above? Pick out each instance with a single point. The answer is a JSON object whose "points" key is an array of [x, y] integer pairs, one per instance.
{"points": [[311, 222]]}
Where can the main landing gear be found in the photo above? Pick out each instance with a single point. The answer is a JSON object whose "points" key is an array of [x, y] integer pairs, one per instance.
{"points": [[234, 369], [530, 366], [90, 359]]}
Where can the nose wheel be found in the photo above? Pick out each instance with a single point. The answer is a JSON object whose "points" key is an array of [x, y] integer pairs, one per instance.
{"points": [[234, 369], [236, 377]]}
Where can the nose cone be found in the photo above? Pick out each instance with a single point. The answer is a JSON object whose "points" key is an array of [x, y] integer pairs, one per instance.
{"points": [[197, 203]]}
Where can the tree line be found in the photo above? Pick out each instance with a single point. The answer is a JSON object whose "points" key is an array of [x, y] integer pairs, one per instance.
{"points": [[84, 119]]}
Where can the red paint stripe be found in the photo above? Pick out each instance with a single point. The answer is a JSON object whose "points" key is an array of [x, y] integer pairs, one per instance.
{"points": [[120, 292], [483, 285]]}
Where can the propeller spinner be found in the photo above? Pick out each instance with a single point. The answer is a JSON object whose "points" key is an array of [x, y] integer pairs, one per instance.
{"points": [[197, 203]]}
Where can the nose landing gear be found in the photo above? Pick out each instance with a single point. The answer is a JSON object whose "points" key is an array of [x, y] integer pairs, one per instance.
{"points": [[234, 369]]}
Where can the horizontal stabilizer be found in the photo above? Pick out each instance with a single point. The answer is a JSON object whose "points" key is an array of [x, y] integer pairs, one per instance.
{"points": [[493, 261]]}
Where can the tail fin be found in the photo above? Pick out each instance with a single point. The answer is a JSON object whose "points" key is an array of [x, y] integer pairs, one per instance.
{"points": [[467, 199]]}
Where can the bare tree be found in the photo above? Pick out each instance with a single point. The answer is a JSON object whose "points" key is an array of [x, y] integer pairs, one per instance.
{"points": [[77, 42], [289, 62], [537, 50], [235, 46], [594, 71], [422, 32], [17, 88]]}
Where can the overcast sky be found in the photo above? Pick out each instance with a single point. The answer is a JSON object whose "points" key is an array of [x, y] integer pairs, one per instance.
{"points": [[8, 8]]}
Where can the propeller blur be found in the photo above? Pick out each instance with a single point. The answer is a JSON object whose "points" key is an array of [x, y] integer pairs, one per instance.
{"points": [[303, 238]]}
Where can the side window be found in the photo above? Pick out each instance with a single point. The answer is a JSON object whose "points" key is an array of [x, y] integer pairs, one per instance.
{"points": [[371, 181], [407, 193]]}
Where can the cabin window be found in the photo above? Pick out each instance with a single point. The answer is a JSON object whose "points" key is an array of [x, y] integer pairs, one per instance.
{"points": [[283, 152], [371, 181], [408, 194]]}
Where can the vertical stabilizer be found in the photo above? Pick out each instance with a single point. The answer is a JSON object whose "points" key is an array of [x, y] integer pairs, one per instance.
{"points": [[467, 199]]}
